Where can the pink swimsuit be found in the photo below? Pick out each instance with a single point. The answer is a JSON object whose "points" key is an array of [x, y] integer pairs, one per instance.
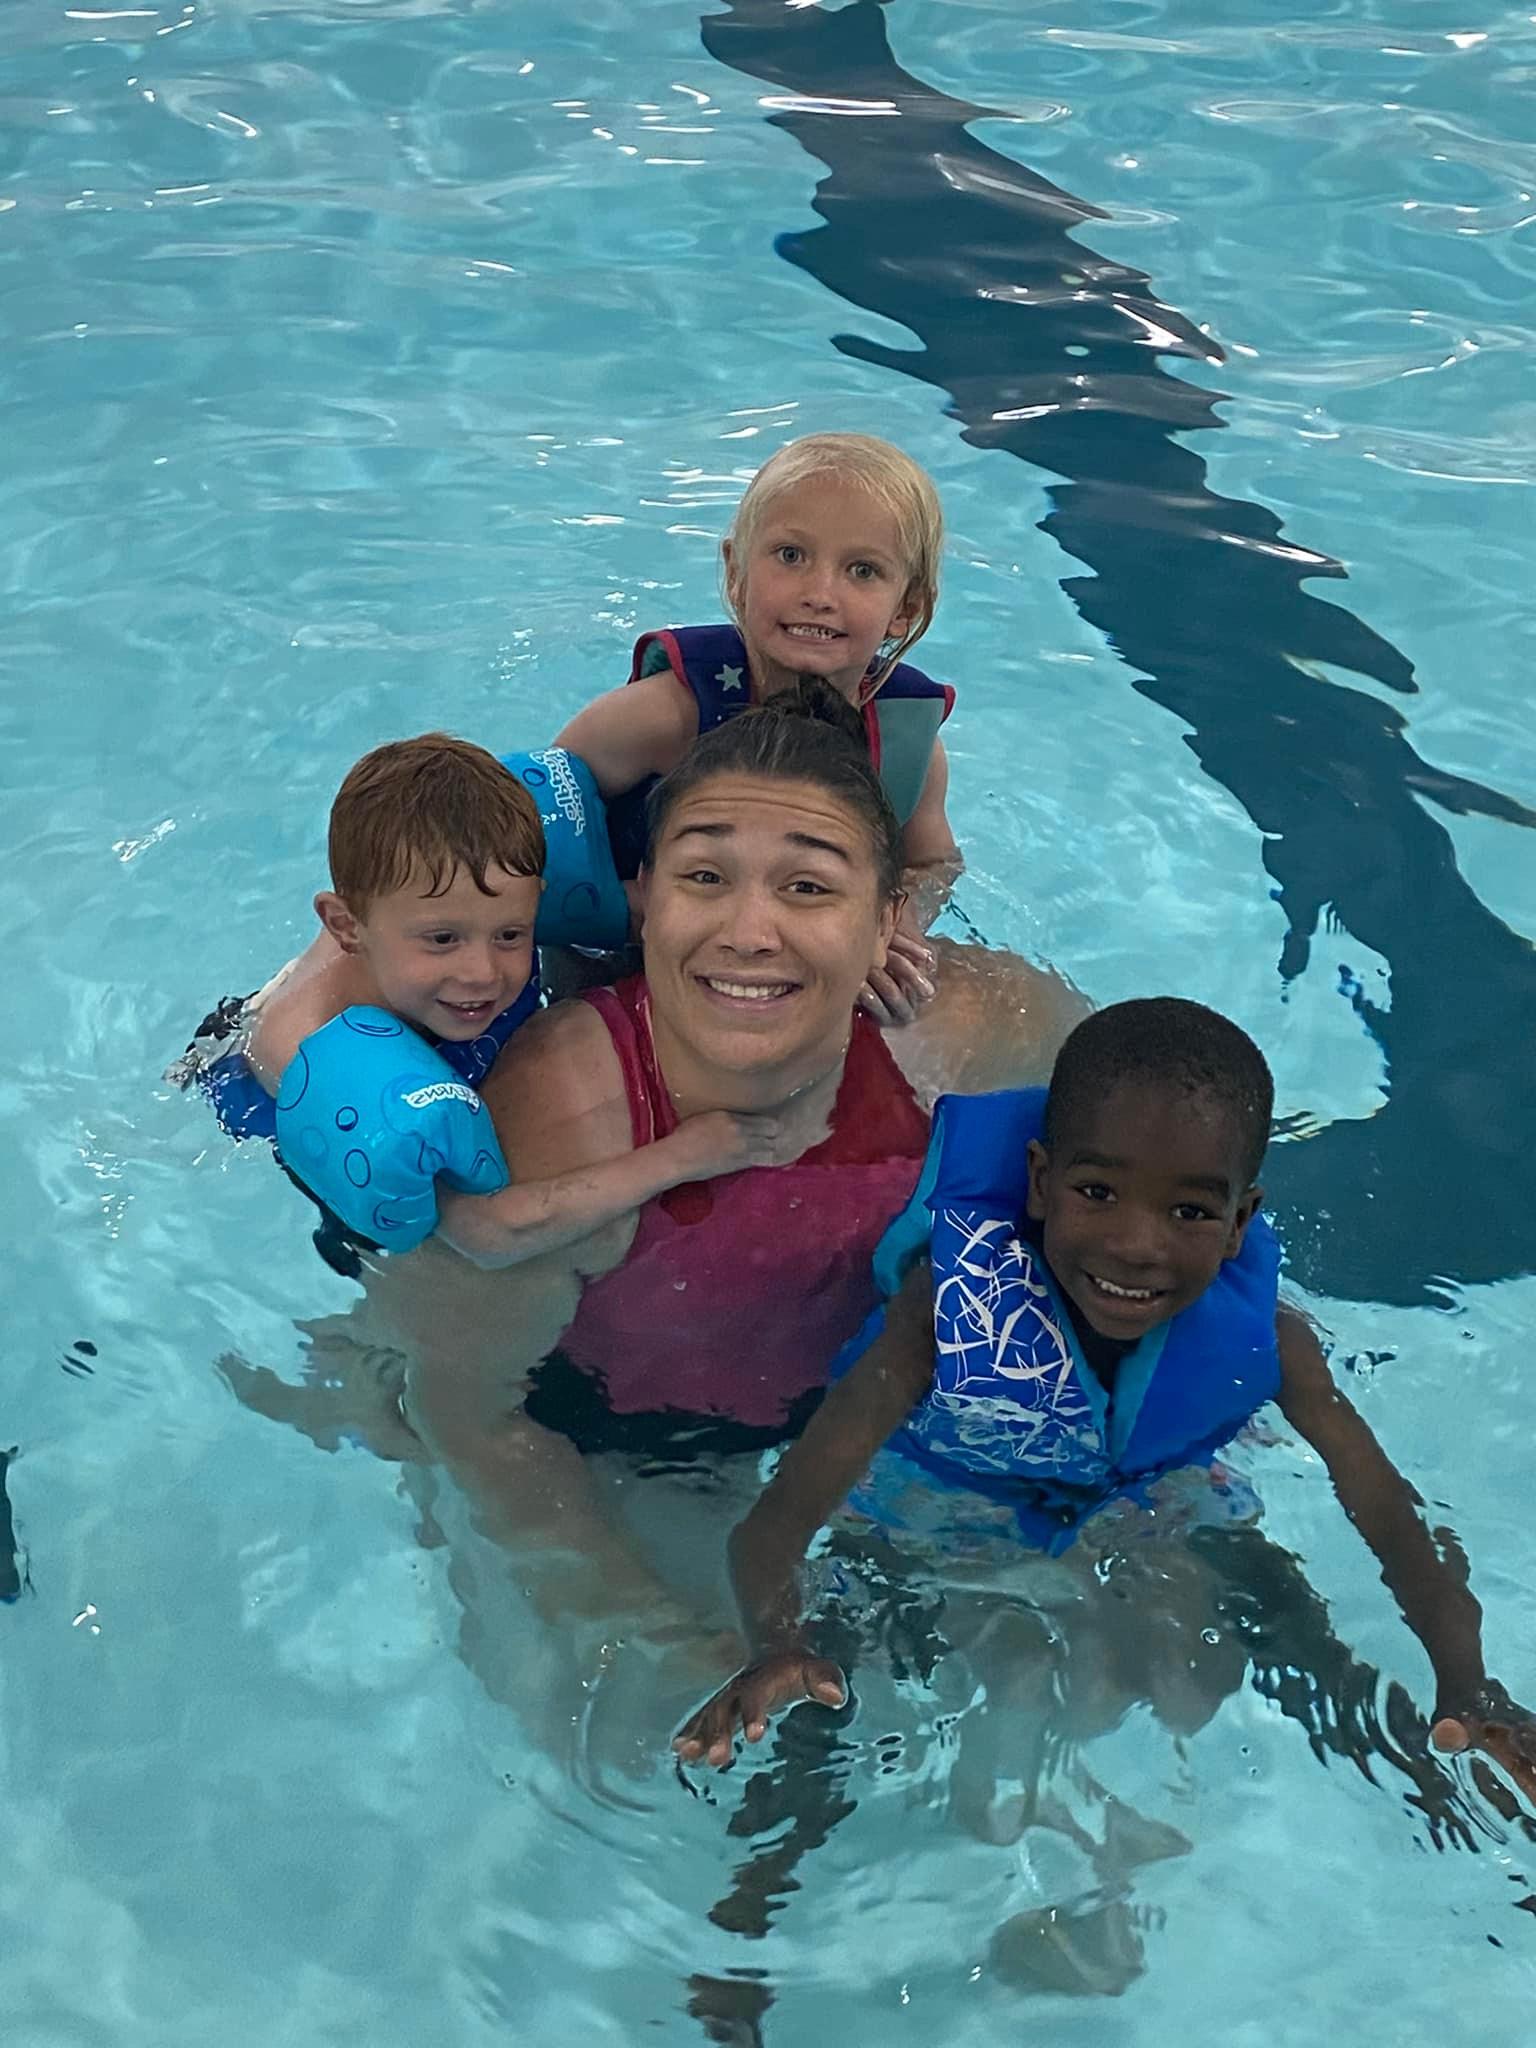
{"points": [[737, 1292]]}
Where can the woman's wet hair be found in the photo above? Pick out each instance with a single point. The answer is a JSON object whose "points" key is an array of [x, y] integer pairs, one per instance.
{"points": [[807, 733], [1166, 1043]]}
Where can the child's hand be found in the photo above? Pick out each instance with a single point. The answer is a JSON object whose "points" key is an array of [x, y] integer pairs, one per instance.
{"points": [[747, 1700], [1493, 1723], [896, 992], [720, 1141]]}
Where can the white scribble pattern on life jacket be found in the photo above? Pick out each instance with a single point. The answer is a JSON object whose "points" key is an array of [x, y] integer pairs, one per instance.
{"points": [[1006, 1396]]}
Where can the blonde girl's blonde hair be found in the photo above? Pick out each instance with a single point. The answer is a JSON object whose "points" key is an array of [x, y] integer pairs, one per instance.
{"points": [[892, 479]]}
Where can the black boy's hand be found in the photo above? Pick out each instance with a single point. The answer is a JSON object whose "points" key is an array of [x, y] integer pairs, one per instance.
{"points": [[746, 1701], [1496, 1724]]}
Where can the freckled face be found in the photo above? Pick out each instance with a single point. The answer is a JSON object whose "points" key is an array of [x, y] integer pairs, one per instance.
{"points": [[451, 963]]}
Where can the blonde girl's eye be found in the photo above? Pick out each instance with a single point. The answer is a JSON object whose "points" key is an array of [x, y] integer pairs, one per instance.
{"points": [[790, 555]]}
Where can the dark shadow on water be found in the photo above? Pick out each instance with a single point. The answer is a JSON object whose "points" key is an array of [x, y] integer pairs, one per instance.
{"points": [[1052, 354]]}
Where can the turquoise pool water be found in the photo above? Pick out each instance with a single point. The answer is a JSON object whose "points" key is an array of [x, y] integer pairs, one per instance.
{"points": [[375, 367]]}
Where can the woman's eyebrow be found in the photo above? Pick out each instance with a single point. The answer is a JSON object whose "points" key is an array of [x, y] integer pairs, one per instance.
{"points": [[809, 839], [723, 828]]}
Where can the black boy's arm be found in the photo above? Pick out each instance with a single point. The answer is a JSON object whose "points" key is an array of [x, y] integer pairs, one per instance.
{"points": [[818, 1471], [1423, 1569]]}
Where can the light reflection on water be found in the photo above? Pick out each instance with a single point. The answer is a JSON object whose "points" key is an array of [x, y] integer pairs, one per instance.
{"points": [[371, 371]]}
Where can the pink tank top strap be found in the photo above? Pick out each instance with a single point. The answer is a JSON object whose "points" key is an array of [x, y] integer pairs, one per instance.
{"points": [[626, 1010]]}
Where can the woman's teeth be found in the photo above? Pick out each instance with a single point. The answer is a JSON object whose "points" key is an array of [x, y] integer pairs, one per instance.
{"points": [[748, 991]]}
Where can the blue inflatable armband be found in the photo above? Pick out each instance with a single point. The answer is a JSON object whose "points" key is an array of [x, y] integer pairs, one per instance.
{"points": [[584, 902], [369, 1114]]}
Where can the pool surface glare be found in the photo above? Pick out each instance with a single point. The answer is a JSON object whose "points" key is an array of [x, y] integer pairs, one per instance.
{"points": [[376, 369]]}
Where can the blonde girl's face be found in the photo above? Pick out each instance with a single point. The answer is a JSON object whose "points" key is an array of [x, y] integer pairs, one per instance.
{"points": [[823, 584]]}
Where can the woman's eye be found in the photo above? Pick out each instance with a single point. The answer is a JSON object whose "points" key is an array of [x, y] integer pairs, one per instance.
{"points": [[806, 887], [706, 875]]}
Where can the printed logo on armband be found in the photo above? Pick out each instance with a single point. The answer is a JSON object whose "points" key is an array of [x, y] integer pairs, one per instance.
{"points": [[564, 787], [441, 1091]]}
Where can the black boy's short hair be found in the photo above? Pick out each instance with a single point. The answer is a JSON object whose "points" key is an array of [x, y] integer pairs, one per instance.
{"points": [[1165, 1042]]}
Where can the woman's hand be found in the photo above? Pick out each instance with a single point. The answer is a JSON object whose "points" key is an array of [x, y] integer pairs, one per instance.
{"points": [[746, 1701], [895, 993], [1494, 1723]]}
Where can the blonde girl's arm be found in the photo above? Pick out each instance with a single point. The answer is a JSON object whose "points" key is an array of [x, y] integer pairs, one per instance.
{"points": [[643, 729], [932, 862]]}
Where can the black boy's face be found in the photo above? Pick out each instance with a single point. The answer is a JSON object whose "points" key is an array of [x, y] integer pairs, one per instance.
{"points": [[1140, 1204]]}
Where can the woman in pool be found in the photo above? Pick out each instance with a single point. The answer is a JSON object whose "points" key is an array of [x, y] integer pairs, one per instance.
{"points": [[710, 1318]]}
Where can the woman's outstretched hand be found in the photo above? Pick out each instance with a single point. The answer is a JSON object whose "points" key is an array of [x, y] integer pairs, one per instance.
{"points": [[1495, 1724], [747, 1701]]}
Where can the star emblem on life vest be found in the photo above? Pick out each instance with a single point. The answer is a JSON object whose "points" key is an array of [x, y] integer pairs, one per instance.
{"points": [[730, 679]]}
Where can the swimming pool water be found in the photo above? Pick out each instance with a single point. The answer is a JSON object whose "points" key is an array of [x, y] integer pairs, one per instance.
{"points": [[376, 367]]}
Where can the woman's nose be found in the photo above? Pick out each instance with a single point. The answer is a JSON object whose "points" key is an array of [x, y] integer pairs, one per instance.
{"points": [[751, 924]]}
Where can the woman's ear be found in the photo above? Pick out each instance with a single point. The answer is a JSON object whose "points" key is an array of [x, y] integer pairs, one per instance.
{"points": [[338, 920], [890, 912]]}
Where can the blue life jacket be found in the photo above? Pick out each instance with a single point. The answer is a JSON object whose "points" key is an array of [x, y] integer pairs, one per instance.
{"points": [[1014, 1409], [901, 720]]}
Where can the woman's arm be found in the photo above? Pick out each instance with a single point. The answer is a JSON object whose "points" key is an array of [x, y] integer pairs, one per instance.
{"points": [[1425, 1570], [557, 1097], [996, 1021], [767, 1549], [931, 861]]}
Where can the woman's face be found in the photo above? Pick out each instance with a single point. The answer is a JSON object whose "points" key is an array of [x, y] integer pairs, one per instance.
{"points": [[762, 920]]}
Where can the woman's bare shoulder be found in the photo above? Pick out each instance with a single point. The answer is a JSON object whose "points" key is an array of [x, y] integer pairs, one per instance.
{"points": [[997, 1021], [557, 1094]]}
